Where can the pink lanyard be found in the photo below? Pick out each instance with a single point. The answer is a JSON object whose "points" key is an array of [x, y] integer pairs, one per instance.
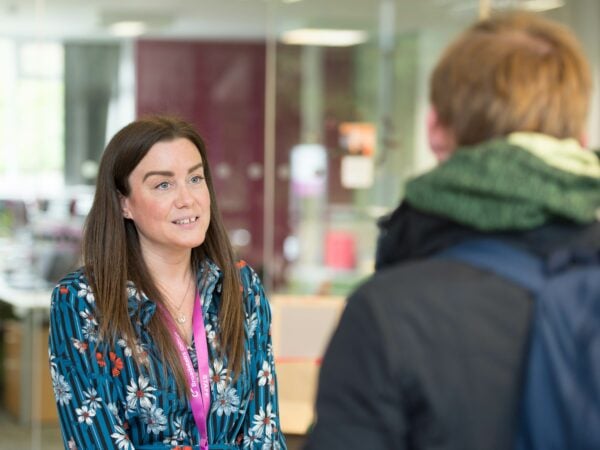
{"points": [[199, 395]]}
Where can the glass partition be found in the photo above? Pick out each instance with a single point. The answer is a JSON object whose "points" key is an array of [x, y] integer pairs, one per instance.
{"points": [[348, 131]]}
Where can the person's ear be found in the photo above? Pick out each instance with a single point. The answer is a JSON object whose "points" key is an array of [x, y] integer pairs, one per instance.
{"points": [[441, 137], [124, 201]]}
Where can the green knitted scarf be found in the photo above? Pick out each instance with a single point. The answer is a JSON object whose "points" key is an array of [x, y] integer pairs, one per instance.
{"points": [[517, 183]]}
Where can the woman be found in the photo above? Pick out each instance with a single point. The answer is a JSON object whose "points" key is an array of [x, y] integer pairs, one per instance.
{"points": [[161, 340]]}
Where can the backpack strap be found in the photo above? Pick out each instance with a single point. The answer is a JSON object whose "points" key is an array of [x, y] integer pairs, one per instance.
{"points": [[560, 404], [501, 258]]}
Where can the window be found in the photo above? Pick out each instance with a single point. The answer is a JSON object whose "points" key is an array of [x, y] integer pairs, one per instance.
{"points": [[31, 117]]}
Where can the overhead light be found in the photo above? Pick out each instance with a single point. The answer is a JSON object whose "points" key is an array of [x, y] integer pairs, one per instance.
{"points": [[128, 28], [541, 5], [324, 37], [291, 1], [467, 6], [124, 23]]}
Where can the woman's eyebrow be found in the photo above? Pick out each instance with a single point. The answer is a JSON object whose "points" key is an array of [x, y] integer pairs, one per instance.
{"points": [[197, 166], [166, 173], [163, 173]]}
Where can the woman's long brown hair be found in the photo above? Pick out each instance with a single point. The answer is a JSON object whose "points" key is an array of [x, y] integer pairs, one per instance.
{"points": [[112, 253]]}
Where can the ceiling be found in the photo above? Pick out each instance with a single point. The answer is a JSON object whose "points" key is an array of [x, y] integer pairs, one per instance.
{"points": [[89, 19]]}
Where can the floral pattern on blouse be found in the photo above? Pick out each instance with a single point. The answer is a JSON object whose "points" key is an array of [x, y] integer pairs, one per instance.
{"points": [[107, 401]]}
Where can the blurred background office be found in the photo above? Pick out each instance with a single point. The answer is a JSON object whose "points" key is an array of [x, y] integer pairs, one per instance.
{"points": [[313, 112]]}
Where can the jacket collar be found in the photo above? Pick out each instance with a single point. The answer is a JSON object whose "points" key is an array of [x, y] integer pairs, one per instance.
{"points": [[208, 279]]}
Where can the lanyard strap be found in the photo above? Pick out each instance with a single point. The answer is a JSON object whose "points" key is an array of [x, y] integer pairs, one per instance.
{"points": [[199, 393]]}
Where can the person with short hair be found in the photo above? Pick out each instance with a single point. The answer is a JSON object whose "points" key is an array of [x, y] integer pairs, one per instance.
{"points": [[161, 340], [512, 73], [430, 352]]}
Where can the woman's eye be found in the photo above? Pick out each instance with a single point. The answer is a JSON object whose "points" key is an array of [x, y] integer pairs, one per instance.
{"points": [[162, 186], [197, 179]]}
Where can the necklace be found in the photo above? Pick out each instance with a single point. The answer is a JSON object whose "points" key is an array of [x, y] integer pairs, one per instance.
{"points": [[181, 318]]}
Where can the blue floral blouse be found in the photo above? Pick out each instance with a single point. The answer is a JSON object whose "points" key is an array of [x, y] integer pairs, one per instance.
{"points": [[105, 401]]}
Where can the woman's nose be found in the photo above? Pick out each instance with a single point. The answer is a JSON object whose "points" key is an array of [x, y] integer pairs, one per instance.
{"points": [[184, 196]]}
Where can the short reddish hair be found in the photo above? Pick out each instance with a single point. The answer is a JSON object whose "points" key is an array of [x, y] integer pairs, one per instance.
{"points": [[513, 72]]}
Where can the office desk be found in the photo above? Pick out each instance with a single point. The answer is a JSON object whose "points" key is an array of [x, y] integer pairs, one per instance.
{"points": [[31, 306]]}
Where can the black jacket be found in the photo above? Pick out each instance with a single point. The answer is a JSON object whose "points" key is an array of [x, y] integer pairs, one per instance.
{"points": [[429, 353]]}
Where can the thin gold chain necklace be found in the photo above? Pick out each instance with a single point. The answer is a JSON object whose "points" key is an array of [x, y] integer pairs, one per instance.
{"points": [[181, 318]]}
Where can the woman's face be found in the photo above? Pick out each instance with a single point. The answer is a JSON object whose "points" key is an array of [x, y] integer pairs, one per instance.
{"points": [[168, 198]]}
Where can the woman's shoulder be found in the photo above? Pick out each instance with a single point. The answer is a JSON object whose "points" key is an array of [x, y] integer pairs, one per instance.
{"points": [[253, 291], [73, 279], [75, 276], [248, 275], [74, 286]]}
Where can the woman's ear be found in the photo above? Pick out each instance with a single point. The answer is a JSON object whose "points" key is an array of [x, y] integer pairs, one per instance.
{"points": [[124, 206], [441, 137]]}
